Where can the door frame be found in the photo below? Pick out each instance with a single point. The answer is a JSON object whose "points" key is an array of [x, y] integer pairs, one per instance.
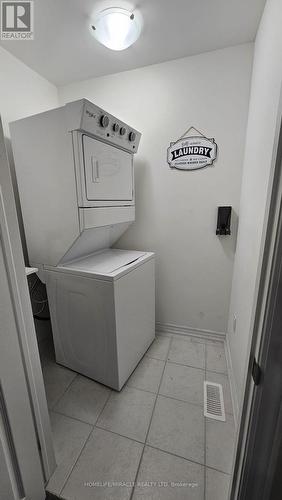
{"points": [[12, 247], [263, 333]]}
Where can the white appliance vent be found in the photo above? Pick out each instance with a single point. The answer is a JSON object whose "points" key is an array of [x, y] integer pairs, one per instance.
{"points": [[213, 401]]}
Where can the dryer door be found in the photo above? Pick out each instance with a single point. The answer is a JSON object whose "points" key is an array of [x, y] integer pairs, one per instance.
{"points": [[108, 171]]}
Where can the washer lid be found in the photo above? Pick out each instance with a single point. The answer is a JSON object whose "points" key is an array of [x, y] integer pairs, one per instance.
{"points": [[106, 261]]}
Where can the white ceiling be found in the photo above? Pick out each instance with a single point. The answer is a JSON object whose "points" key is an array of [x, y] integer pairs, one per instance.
{"points": [[64, 49]]}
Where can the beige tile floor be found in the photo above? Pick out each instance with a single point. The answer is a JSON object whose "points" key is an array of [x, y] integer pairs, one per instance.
{"points": [[152, 434]]}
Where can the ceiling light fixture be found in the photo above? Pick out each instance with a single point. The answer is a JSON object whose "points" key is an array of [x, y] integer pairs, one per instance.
{"points": [[117, 28]]}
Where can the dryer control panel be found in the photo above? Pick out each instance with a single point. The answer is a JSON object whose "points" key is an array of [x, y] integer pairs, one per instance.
{"points": [[101, 124]]}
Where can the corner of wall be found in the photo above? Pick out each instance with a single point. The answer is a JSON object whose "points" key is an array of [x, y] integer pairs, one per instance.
{"points": [[231, 375]]}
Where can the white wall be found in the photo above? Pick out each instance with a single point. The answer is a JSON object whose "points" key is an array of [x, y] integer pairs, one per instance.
{"points": [[265, 91], [22, 91], [176, 211]]}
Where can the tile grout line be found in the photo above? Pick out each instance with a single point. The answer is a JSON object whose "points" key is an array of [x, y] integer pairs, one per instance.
{"points": [[187, 402], [151, 357], [187, 366], [64, 392], [168, 397], [187, 459], [96, 426], [195, 367], [74, 418], [190, 461], [83, 447], [73, 466], [71, 418], [209, 467], [149, 426]]}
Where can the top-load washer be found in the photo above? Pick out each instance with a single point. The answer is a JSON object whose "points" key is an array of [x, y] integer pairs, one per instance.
{"points": [[102, 309], [75, 176]]}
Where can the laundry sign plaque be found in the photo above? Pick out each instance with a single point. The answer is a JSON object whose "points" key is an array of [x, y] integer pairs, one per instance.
{"points": [[192, 153]]}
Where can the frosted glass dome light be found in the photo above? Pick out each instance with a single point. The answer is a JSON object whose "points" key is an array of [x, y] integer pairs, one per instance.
{"points": [[117, 28]]}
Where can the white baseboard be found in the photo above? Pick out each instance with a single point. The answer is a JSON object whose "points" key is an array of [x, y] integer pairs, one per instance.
{"points": [[233, 388], [170, 328]]}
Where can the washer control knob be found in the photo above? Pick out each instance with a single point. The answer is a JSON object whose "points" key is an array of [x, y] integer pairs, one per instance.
{"points": [[122, 131], [104, 121], [132, 136], [115, 127]]}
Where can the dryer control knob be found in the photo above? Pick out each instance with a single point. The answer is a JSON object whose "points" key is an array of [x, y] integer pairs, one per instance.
{"points": [[115, 127], [122, 131], [104, 121], [132, 136]]}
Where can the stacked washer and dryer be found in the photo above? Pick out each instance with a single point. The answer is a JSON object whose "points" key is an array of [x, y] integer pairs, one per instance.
{"points": [[74, 168]]}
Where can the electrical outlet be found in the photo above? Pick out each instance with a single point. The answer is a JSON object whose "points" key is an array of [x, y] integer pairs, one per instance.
{"points": [[234, 322]]}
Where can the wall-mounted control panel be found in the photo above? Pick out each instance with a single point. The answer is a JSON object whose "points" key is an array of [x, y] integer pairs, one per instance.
{"points": [[100, 124], [223, 221]]}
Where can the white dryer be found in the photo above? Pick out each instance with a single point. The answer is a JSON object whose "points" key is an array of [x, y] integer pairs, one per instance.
{"points": [[75, 175]]}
